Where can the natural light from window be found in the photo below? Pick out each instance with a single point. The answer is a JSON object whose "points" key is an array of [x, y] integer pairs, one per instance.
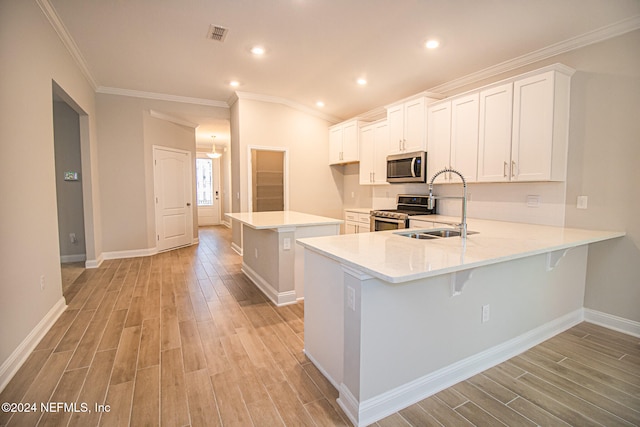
{"points": [[204, 182]]}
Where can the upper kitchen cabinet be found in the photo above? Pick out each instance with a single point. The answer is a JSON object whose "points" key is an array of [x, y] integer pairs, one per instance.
{"points": [[407, 123], [494, 140], [453, 138], [540, 127], [344, 142], [374, 140], [524, 125]]}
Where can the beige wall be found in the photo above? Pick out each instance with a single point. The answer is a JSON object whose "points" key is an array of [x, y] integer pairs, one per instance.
{"points": [[314, 187], [127, 134], [32, 57]]}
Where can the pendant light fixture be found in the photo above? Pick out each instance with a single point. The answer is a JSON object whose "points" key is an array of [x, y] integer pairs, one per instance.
{"points": [[213, 154]]}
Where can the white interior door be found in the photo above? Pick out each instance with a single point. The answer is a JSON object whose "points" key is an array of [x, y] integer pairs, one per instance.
{"points": [[173, 173]]}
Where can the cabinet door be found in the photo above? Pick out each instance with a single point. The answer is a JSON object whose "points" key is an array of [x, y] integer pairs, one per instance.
{"points": [[415, 126], [350, 227], [380, 142], [494, 139], [350, 147], [532, 137], [367, 154], [335, 145], [439, 139], [363, 228], [395, 121], [464, 136]]}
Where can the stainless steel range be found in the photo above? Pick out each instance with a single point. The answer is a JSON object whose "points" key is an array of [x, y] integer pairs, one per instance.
{"points": [[395, 219]]}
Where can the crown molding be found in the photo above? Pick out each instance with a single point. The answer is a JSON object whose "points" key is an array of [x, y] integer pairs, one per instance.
{"points": [[161, 96], [277, 100], [172, 119], [59, 27], [617, 29]]}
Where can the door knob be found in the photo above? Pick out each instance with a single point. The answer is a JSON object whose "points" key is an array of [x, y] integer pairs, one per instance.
{"points": [[188, 204]]}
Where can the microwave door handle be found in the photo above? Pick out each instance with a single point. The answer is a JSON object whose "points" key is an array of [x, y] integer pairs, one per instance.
{"points": [[413, 167]]}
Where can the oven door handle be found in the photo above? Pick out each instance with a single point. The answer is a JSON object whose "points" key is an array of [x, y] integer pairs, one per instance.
{"points": [[413, 167]]}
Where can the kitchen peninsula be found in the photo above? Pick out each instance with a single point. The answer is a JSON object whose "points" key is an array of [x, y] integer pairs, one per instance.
{"points": [[270, 259], [390, 319]]}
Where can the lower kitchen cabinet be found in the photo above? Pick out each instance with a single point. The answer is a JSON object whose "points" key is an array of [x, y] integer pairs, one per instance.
{"points": [[356, 222]]}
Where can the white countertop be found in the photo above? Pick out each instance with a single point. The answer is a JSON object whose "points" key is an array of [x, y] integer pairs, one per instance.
{"points": [[280, 219], [394, 258]]}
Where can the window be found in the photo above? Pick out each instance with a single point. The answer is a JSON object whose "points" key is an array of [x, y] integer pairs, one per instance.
{"points": [[204, 182]]}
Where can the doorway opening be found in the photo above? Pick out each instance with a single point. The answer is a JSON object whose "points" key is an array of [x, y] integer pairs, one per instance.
{"points": [[72, 172], [268, 179], [208, 190]]}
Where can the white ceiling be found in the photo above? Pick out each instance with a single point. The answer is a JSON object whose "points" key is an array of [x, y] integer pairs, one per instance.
{"points": [[316, 49]]}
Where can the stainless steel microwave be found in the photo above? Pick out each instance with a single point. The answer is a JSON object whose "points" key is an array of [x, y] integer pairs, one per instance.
{"points": [[407, 167]]}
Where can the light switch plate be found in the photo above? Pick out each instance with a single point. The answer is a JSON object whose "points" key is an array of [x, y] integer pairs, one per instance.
{"points": [[582, 202]]}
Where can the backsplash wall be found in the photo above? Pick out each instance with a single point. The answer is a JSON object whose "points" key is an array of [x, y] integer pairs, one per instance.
{"points": [[497, 201]]}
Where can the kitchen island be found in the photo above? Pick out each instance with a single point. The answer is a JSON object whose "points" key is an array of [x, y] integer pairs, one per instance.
{"points": [[390, 319], [270, 259]]}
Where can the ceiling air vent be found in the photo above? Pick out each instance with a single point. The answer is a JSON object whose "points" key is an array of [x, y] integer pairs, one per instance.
{"points": [[216, 32]]}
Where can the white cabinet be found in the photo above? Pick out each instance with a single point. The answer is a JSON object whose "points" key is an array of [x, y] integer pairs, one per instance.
{"points": [[524, 128], [453, 138], [407, 126], [356, 222], [494, 139], [343, 142], [374, 139], [439, 146]]}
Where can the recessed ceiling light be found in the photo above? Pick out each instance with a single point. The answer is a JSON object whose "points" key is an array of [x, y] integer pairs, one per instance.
{"points": [[362, 81], [320, 104], [258, 50], [432, 44], [234, 83]]}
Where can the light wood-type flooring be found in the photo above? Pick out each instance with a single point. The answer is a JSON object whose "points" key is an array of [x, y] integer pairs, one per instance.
{"points": [[182, 338]]}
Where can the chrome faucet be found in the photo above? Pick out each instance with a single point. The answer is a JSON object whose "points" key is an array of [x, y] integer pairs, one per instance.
{"points": [[430, 204]]}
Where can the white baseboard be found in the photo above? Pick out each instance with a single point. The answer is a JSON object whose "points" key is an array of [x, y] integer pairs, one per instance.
{"points": [[321, 369], [237, 248], [21, 353], [278, 298], [385, 404], [135, 253], [226, 224], [620, 324], [94, 263], [73, 258]]}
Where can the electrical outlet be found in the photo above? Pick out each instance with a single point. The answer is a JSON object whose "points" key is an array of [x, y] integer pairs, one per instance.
{"points": [[42, 282], [73, 238], [582, 202], [485, 313], [533, 201], [351, 298], [286, 243]]}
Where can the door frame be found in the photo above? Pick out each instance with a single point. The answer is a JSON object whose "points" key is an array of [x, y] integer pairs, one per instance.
{"points": [[215, 166], [285, 179], [190, 180]]}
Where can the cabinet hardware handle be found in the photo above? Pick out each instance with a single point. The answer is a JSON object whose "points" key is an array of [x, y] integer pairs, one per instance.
{"points": [[513, 169], [400, 144], [504, 170]]}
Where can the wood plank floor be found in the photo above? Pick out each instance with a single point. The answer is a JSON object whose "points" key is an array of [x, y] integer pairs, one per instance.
{"points": [[182, 338]]}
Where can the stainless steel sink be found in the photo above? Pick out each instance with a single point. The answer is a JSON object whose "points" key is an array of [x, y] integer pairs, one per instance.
{"points": [[438, 233]]}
